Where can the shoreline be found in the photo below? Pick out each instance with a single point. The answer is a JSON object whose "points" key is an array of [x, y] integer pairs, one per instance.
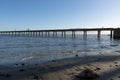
{"points": [[66, 69]]}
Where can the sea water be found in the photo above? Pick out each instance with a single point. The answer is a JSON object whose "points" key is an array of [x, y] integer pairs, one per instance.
{"points": [[23, 49]]}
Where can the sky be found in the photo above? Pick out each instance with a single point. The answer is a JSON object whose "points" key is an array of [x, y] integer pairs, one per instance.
{"points": [[58, 14]]}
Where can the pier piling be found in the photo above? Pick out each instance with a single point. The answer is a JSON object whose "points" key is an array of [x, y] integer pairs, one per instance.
{"points": [[99, 33]]}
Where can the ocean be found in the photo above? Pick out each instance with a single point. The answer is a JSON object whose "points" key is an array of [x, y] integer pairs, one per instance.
{"points": [[35, 49]]}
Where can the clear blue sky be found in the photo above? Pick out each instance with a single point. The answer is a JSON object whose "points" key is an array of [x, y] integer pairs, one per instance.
{"points": [[54, 14]]}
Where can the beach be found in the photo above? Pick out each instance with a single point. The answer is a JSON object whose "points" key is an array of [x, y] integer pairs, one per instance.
{"points": [[59, 40], [107, 66]]}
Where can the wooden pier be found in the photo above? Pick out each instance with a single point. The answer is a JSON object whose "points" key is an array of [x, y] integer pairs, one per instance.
{"points": [[114, 32]]}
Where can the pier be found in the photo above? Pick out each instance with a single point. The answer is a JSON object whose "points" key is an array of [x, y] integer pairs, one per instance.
{"points": [[114, 32]]}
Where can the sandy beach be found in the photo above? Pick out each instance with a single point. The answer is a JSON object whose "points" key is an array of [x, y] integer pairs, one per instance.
{"points": [[107, 66]]}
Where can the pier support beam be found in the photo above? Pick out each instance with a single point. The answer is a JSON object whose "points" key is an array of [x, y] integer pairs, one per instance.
{"points": [[48, 34], [116, 33], [84, 34], [42, 33], [111, 34], [99, 33], [39, 33], [64, 34], [73, 34], [56, 34], [53, 34]]}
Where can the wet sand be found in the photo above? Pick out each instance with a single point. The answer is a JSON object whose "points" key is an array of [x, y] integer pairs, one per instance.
{"points": [[107, 66]]}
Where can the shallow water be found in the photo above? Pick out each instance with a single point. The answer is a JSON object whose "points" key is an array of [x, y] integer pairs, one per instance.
{"points": [[14, 49]]}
